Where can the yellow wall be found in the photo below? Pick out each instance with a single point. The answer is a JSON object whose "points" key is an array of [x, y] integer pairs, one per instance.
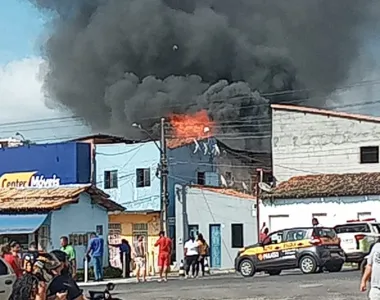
{"points": [[153, 221]]}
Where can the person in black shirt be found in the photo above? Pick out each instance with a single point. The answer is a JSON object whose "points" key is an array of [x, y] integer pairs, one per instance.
{"points": [[64, 282]]}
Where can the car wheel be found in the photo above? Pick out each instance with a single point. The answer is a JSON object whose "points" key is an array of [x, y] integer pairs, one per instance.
{"points": [[274, 273], [247, 268], [334, 268], [308, 264]]}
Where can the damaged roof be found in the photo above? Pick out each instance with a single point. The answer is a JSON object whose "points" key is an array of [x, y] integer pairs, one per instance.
{"points": [[326, 185]]}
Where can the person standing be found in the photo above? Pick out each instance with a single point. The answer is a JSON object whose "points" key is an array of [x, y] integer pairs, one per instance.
{"points": [[125, 251], [96, 250], [372, 272], [203, 253], [139, 258], [71, 255], [164, 253], [315, 222], [191, 256], [13, 258]]}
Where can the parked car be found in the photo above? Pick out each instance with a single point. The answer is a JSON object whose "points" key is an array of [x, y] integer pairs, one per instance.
{"points": [[357, 236], [307, 248], [7, 279]]}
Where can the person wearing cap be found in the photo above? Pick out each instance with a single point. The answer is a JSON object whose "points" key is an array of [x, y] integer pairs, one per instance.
{"points": [[164, 254]]}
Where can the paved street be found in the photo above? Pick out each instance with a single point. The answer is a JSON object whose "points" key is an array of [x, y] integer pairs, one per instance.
{"points": [[338, 286]]}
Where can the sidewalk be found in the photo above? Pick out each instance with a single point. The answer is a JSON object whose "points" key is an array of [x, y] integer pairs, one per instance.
{"points": [[149, 278]]}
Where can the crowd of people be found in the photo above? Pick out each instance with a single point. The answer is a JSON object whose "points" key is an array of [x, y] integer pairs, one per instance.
{"points": [[42, 276]]}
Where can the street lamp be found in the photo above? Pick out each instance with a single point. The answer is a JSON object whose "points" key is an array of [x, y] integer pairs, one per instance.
{"points": [[163, 170]]}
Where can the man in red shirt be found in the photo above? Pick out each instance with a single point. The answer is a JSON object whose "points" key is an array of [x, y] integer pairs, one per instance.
{"points": [[164, 254], [13, 258]]}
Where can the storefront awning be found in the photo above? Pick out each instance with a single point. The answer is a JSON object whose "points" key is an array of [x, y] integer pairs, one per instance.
{"points": [[20, 224]]}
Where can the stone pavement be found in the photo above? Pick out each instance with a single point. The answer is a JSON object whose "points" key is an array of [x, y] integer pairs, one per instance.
{"points": [[290, 286]]}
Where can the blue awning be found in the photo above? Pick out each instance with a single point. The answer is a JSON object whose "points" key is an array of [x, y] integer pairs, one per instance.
{"points": [[20, 224]]}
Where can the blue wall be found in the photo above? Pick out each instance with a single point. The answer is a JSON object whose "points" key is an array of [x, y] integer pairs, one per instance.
{"points": [[71, 162], [183, 168], [126, 159]]}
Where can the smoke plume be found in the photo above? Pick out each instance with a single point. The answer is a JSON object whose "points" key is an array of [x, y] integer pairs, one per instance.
{"points": [[115, 62]]}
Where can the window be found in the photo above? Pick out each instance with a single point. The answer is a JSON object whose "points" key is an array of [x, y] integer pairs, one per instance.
{"points": [[201, 178], [274, 238], [352, 228], [363, 215], [369, 155], [110, 179], [193, 230], [237, 236], [296, 235], [140, 229], [143, 177], [324, 232]]}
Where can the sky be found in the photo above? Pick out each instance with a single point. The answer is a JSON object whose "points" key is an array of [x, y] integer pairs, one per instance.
{"points": [[22, 98]]}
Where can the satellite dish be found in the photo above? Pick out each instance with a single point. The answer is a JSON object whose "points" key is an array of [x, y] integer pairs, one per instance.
{"points": [[265, 187], [244, 186], [223, 180]]}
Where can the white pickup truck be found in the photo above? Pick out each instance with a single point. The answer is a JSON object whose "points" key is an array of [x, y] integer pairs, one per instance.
{"points": [[7, 279], [356, 237]]}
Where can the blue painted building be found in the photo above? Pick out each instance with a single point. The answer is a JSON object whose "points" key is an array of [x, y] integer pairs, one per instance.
{"points": [[45, 215], [128, 172], [45, 165]]}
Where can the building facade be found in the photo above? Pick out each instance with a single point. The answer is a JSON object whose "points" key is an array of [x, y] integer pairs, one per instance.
{"points": [[226, 218], [313, 141], [331, 198], [45, 165], [130, 174], [45, 215]]}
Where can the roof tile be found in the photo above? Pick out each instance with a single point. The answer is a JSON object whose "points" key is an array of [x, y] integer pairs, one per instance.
{"points": [[225, 191], [327, 185], [47, 199]]}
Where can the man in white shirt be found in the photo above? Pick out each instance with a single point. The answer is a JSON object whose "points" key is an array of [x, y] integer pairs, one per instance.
{"points": [[191, 256]]}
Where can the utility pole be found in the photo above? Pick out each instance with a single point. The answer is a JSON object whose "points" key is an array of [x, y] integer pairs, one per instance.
{"points": [[259, 178], [164, 180]]}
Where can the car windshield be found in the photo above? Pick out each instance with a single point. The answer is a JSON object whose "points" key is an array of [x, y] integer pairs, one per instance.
{"points": [[352, 228], [324, 232]]}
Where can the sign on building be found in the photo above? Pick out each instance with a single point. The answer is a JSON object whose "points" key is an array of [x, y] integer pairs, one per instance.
{"points": [[28, 179]]}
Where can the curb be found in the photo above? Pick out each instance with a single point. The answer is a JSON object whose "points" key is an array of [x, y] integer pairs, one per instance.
{"points": [[149, 279]]}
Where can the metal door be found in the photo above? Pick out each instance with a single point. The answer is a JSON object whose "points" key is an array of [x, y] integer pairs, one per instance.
{"points": [[215, 246]]}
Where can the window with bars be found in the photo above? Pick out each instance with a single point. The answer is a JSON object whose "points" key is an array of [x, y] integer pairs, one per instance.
{"points": [[140, 229], [110, 179], [44, 237]]}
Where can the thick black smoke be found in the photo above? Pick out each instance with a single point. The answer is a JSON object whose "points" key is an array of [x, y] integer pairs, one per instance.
{"points": [[117, 62]]}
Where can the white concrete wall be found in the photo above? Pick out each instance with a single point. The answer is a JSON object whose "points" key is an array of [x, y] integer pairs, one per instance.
{"points": [[204, 208], [337, 209], [79, 218], [305, 143]]}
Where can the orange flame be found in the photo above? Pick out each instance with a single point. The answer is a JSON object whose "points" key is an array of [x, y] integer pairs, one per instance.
{"points": [[189, 127]]}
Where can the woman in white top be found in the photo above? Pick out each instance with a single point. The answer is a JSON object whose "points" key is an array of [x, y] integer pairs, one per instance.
{"points": [[191, 256]]}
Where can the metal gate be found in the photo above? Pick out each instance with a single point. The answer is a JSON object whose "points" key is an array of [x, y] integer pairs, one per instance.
{"points": [[114, 237]]}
